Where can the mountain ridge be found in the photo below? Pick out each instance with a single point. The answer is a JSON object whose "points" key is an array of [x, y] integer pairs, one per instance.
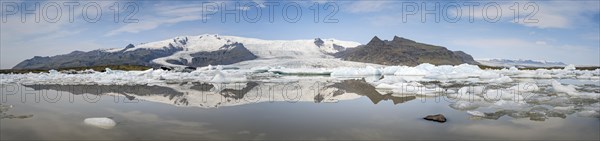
{"points": [[520, 63], [213, 49], [402, 51]]}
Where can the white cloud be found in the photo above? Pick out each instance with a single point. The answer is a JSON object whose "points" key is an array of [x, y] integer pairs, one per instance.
{"points": [[23, 40], [151, 24], [163, 15]]}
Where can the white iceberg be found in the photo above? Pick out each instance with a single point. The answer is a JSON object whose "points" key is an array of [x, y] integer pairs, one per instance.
{"points": [[100, 122], [476, 113], [344, 72], [569, 89]]}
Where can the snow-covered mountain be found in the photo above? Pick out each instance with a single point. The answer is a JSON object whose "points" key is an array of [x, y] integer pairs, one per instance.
{"points": [[264, 49], [520, 63], [195, 51]]}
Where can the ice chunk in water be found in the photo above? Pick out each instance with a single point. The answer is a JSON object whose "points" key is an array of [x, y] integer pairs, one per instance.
{"points": [[502, 94], [588, 113], [410, 71], [356, 71], [100, 122], [557, 87], [464, 105], [476, 113], [525, 87], [503, 79], [570, 67], [222, 77]]}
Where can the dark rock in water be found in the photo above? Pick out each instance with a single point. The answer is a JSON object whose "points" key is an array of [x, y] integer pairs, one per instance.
{"points": [[438, 118], [188, 69], [16, 117], [166, 68]]}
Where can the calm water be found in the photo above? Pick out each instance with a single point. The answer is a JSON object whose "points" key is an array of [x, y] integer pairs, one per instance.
{"points": [[303, 109]]}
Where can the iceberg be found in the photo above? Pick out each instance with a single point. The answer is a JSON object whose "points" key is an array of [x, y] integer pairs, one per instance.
{"points": [[464, 105], [569, 89], [476, 113], [345, 72], [100, 122]]}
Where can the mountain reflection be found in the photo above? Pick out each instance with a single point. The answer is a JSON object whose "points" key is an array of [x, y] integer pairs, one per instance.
{"points": [[212, 95], [535, 105], [362, 88]]}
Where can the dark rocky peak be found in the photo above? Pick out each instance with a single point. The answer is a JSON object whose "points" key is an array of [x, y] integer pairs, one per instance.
{"points": [[376, 42], [77, 52], [319, 42], [402, 40], [129, 46], [232, 46], [181, 40]]}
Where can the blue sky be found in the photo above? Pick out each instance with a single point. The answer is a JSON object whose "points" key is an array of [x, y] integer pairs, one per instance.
{"points": [[567, 31]]}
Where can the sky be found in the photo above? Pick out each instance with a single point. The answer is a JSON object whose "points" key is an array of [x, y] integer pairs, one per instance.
{"points": [[566, 31]]}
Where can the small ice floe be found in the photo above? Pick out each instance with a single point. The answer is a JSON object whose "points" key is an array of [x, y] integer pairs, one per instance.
{"points": [[570, 67], [100, 122], [525, 87], [464, 105], [301, 71], [588, 113], [222, 77], [557, 87], [4, 108], [350, 72], [410, 71], [502, 94], [476, 113], [502, 79], [468, 94]]}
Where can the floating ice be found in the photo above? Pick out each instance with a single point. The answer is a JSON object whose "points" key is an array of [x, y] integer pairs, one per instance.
{"points": [[589, 113], [525, 87], [422, 73], [342, 72], [501, 94], [221, 77], [301, 71], [510, 104], [476, 113], [100, 122], [465, 96], [569, 89], [464, 105], [410, 71], [503, 79], [570, 67]]}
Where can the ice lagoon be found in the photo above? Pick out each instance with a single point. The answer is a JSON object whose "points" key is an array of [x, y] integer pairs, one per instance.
{"points": [[378, 102]]}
